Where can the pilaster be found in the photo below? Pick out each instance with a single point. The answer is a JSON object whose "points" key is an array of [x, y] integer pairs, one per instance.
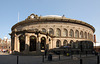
{"points": [[27, 44], [38, 44], [15, 42], [18, 44]]}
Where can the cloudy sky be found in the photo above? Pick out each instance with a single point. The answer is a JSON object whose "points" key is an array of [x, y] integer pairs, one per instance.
{"points": [[85, 10]]}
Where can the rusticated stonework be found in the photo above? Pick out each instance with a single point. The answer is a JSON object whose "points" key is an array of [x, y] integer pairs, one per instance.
{"points": [[51, 29]]}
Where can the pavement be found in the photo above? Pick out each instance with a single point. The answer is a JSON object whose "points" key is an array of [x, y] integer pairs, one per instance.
{"points": [[12, 59], [2, 53]]}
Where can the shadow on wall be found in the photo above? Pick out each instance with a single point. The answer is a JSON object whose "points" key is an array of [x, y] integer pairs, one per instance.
{"points": [[75, 47], [22, 49]]}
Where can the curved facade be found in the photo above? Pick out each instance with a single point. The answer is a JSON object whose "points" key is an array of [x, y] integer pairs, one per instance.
{"points": [[36, 34]]}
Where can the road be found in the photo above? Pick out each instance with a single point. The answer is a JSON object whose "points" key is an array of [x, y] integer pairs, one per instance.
{"points": [[12, 59]]}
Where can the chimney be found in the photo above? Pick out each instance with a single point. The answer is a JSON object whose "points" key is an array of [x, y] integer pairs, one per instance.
{"points": [[94, 38]]}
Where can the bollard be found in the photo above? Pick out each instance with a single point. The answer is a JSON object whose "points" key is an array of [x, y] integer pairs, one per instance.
{"points": [[59, 56], [50, 57], [71, 55], [80, 61], [97, 59], [43, 58], [17, 59]]}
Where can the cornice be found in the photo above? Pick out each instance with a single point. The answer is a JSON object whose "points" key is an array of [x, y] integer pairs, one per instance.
{"points": [[46, 19]]}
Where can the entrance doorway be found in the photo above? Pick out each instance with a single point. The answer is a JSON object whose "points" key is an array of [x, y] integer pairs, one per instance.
{"points": [[43, 43], [32, 43], [22, 43]]}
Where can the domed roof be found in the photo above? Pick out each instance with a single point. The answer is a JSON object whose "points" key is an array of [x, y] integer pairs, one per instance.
{"points": [[54, 18], [57, 16]]}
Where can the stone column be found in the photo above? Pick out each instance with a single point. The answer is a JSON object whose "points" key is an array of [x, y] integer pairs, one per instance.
{"points": [[54, 31], [15, 42], [26, 43], [74, 32], [38, 50], [50, 44], [47, 43], [12, 43], [61, 31], [68, 32], [54, 42], [39, 44], [62, 42], [18, 44]]}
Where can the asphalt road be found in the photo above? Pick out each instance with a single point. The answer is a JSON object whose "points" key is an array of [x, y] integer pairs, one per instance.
{"points": [[12, 59]]}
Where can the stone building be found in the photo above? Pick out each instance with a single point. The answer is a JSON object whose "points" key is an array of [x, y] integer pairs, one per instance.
{"points": [[5, 44], [37, 33]]}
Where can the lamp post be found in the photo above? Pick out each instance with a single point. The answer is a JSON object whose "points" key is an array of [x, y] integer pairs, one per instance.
{"points": [[95, 41]]}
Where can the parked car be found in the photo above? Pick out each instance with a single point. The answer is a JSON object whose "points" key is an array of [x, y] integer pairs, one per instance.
{"points": [[65, 50], [4, 50]]}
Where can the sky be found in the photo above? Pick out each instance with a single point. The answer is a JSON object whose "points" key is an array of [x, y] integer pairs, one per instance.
{"points": [[84, 10]]}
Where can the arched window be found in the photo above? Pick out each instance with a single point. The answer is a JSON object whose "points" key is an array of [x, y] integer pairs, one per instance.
{"points": [[51, 31], [43, 30], [77, 44], [58, 32], [65, 43], [65, 33], [43, 43], [72, 43], [71, 33], [76, 34], [85, 35], [81, 34], [32, 43], [22, 43], [35, 29], [58, 43]]}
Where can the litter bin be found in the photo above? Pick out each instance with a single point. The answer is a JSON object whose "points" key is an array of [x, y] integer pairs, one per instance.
{"points": [[67, 54], [50, 57]]}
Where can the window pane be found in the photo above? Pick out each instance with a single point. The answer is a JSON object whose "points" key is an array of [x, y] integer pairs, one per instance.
{"points": [[71, 33], [65, 32], [77, 34], [43, 30], [51, 31], [81, 34], [58, 43], [58, 32], [65, 43]]}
